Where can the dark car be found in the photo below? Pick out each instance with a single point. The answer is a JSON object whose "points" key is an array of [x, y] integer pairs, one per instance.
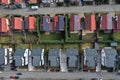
{"points": [[96, 79]]}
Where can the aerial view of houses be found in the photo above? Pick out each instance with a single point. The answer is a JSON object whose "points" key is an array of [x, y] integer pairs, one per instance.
{"points": [[65, 42]]}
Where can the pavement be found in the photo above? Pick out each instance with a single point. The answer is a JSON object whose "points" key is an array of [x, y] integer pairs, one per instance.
{"points": [[60, 75], [63, 10]]}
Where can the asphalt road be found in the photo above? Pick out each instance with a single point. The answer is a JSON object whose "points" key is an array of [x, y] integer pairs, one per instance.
{"points": [[60, 75], [62, 10]]}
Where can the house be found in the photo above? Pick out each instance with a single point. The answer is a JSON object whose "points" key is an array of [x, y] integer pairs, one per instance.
{"points": [[4, 28], [30, 23], [108, 57], [17, 1], [118, 22], [90, 57], [8, 55], [52, 24], [2, 59], [74, 23], [32, 1], [37, 57], [53, 57], [74, 2], [17, 23], [46, 24], [107, 22], [90, 22], [4, 1], [72, 57], [21, 57], [61, 23], [5, 56], [58, 23]]}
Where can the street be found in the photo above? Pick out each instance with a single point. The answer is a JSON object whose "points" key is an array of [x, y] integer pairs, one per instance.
{"points": [[63, 10], [59, 75]]}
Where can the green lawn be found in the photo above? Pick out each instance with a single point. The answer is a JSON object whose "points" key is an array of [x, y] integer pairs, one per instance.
{"points": [[71, 46], [17, 37], [7, 44], [5, 39], [31, 37], [38, 46], [48, 46], [73, 36], [104, 36], [102, 45], [52, 36], [86, 45], [22, 46], [88, 37], [116, 36]]}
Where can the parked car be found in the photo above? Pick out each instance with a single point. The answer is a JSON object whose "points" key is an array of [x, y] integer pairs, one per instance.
{"points": [[34, 7]]}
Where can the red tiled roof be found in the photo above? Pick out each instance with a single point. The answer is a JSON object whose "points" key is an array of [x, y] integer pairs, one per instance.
{"points": [[4, 25], [32, 1], [107, 22], [118, 22], [90, 22], [17, 23], [5, 1], [104, 22], [74, 23], [17, 1], [30, 23]]}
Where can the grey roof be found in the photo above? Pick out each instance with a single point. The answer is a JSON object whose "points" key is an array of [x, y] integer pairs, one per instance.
{"points": [[72, 61], [54, 52], [110, 52], [90, 61], [91, 57], [71, 52], [18, 61], [110, 57], [91, 52], [36, 57], [1, 56], [36, 61], [19, 52], [54, 62], [36, 52], [110, 61], [53, 57]]}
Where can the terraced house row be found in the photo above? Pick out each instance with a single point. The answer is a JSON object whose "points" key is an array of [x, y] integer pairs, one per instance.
{"points": [[16, 1], [57, 23], [73, 27], [63, 60], [41, 1]]}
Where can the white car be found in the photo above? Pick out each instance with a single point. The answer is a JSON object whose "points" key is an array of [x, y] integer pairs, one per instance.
{"points": [[34, 7]]}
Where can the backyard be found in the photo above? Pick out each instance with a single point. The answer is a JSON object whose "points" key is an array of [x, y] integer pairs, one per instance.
{"points": [[17, 37], [5, 39], [31, 37], [52, 36], [89, 37], [116, 36], [73, 36], [105, 36]]}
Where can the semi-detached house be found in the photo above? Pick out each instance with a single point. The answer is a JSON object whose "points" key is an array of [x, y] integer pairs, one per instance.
{"points": [[4, 28], [30, 23], [17, 23]]}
